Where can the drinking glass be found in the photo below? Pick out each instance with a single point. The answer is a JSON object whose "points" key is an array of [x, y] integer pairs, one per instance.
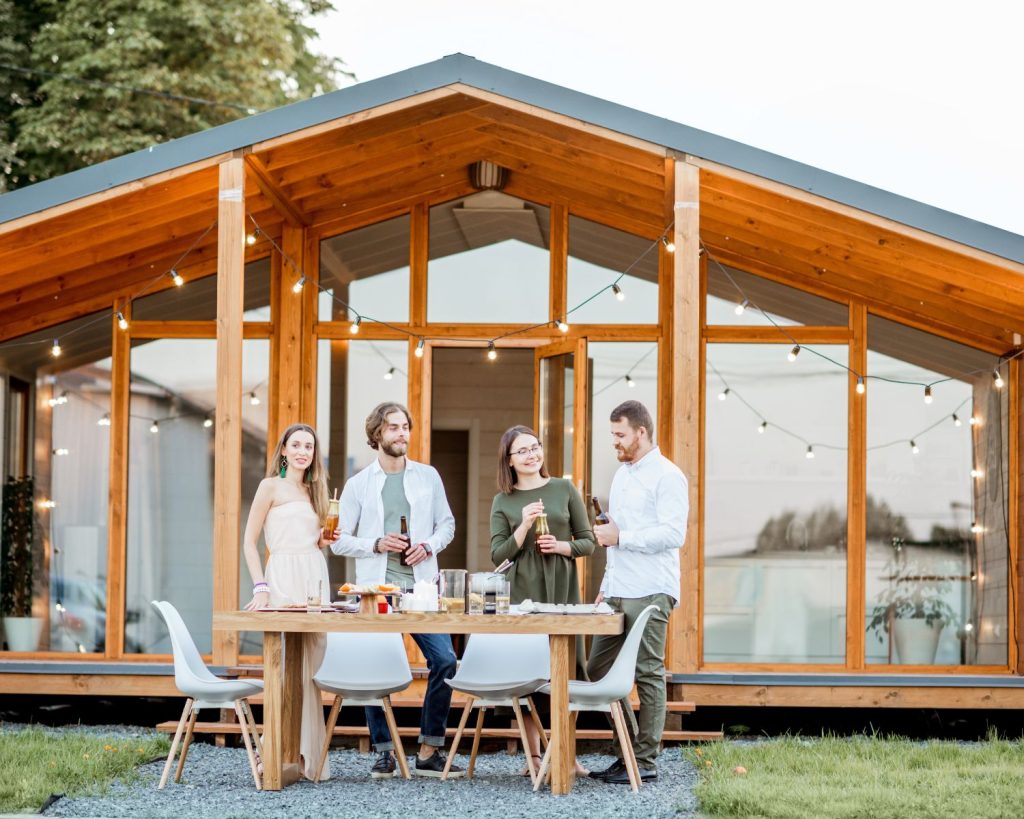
{"points": [[453, 591]]}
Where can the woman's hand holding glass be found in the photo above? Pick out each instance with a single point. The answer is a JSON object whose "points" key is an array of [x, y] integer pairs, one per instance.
{"points": [[548, 545]]}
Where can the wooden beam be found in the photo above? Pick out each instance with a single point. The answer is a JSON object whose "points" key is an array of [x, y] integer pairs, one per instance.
{"points": [[559, 254], [419, 250], [310, 308], [688, 392], [856, 490], [868, 696], [227, 507], [117, 504], [286, 367], [282, 204], [420, 369], [808, 334], [1015, 587]]}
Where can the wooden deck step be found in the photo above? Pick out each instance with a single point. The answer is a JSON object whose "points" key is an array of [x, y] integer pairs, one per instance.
{"points": [[230, 728]]}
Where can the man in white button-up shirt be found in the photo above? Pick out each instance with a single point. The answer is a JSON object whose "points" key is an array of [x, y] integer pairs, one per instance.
{"points": [[647, 508]]}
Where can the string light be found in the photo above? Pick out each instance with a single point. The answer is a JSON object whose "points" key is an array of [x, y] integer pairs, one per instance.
{"points": [[254, 399], [297, 287], [561, 324], [974, 420], [977, 528], [154, 427], [762, 427], [928, 394], [419, 349], [104, 421], [45, 503], [968, 627], [976, 473], [175, 277], [207, 422], [618, 292], [670, 246], [997, 379], [914, 447], [354, 327], [741, 307], [491, 352], [724, 394], [860, 388], [58, 400], [55, 350], [389, 374], [810, 452], [252, 237], [61, 451], [629, 381], [956, 421], [794, 352], [122, 322]]}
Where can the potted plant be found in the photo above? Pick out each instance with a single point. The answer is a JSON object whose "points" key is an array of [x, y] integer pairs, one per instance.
{"points": [[17, 538], [914, 604]]}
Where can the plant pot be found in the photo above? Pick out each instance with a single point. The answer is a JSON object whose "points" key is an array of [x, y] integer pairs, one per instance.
{"points": [[23, 633], [916, 641]]}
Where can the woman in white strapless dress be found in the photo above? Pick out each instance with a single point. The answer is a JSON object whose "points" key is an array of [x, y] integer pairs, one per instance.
{"points": [[290, 507]]}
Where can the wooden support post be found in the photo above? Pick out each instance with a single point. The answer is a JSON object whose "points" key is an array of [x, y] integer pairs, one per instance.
{"points": [[288, 331], [559, 254], [563, 733], [856, 488], [273, 672], [291, 708], [117, 508], [688, 396], [419, 368], [310, 265], [228, 440], [1015, 589]]}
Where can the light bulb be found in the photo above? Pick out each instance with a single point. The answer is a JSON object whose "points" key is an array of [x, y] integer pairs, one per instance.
{"points": [[741, 307], [491, 352], [956, 421], [562, 325], [254, 399], [629, 381], [389, 374], [997, 379], [55, 350], [354, 326], [176, 277], [860, 385], [914, 447], [618, 292], [974, 420], [976, 473], [154, 427], [763, 426], [47, 504], [60, 451], [794, 352], [122, 322], [968, 627], [977, 528], [928, 395], [104, 421], [810, 452], [207, 422], [297, 287], [670, 246], [419, 349], [724, 394], [251, 238]]}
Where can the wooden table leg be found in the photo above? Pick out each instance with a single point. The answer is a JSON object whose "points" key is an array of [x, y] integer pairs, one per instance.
{"points": [[291, 713], [272, 710], [563, 733]]}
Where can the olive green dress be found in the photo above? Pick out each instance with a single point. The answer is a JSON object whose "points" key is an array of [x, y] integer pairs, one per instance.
{"points": [[534, 575]]}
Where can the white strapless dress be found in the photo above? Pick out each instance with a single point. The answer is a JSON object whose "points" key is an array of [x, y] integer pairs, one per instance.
{"points": [[296, 568]]}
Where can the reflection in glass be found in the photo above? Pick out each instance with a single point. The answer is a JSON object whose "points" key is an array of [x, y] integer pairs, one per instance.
{"points": [[936, 533], [479, 247], [775, 505], [57, 455], [368, 269], [196, 300], [598, 255], [619, 371], [730, 289], [170, 483], [557, 402]]}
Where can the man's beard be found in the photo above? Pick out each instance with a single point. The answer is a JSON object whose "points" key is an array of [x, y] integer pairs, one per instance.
{"points": [[395, 450], [627, 454]]}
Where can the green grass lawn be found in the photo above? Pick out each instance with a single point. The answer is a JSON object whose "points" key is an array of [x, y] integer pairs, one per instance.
{"points": [[34, 764], [829, 778]]}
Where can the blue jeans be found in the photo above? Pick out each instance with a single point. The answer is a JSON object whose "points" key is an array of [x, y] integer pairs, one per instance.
{"points": [[437, 648]]}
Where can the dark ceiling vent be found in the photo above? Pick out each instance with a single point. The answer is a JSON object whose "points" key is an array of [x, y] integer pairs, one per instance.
{"points": [[484, 175]]}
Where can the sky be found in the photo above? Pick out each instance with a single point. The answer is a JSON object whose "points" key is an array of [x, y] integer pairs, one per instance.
{"points": [[918, 98]]}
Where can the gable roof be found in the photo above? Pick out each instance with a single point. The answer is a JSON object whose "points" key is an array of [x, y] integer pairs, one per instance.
{"points": [[459, 68]]}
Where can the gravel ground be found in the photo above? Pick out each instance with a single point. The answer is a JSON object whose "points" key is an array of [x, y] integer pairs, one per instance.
{"points": [[217, 783]]}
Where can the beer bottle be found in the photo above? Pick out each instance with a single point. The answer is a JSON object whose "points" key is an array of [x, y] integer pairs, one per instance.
{"points": [[599, 514], [403, 530]]}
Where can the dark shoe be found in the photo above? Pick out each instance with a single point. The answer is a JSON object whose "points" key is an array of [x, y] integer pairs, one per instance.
{"points": [[616, 767], [622, 777], [384, 767], [434, 764]]}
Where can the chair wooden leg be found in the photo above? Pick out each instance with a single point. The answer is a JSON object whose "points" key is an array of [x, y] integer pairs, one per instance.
{"points": [[536, 721], [174, 744], [458, 736], [186, 743], [403, 763], [476, 742], [526, 742], [632, 753], [243, 724], [253, 728], [332, 720], [627, 746], [545, 765]]}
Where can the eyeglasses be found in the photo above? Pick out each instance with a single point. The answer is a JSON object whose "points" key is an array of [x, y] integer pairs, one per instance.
{"points": [[533, 450]]}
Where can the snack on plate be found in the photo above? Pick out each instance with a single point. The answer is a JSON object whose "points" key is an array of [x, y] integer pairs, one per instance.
{"points": [[387, 588], [373, 588]]}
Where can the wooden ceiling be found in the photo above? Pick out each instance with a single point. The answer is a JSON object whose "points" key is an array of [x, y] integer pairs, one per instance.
{"points": [[364, 168]]}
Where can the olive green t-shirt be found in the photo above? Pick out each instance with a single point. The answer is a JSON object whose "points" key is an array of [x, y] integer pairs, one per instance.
{"points": [[540, 577], [396, 504]]}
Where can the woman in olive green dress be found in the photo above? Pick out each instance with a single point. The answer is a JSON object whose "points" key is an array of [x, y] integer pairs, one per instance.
{"points": [[544, 567]]}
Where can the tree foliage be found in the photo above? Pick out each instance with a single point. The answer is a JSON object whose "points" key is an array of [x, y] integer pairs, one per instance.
{"points": [[825, 526], [249, 55]]}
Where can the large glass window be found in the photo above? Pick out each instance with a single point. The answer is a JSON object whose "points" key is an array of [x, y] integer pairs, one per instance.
{"points": [[775, 505], [936, 507], [170, 490], [738, 298], [598, 258], [53, 538], [196, 300], [368, 269], [489, 260]]}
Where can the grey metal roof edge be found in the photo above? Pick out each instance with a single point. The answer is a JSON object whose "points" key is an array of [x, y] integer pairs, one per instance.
{"points": [[484, 76], [850, 680]]}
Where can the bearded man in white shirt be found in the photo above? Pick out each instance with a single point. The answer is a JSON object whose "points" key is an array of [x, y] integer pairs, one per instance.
{"points": [[647, 509]]}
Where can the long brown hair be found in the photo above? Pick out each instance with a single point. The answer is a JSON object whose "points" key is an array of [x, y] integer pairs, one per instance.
{"points": [[506, 472], [315, 477]]}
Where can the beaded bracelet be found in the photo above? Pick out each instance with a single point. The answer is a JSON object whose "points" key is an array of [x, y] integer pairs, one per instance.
{"points": [[261, 588]]}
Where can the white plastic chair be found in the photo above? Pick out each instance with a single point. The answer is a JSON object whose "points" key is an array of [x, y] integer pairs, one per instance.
{"points": [[500, 670], [364, 669], [605, 695], [203, 690]]}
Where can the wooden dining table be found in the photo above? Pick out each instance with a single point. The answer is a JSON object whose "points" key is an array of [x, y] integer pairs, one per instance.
{"points": [[282, 668]]}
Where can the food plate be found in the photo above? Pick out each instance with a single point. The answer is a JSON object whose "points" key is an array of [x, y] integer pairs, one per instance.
{"points": [[530, 607], [353, 589]]}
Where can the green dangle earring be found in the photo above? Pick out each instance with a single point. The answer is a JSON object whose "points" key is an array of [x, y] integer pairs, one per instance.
{"points": [[284, 466]]}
